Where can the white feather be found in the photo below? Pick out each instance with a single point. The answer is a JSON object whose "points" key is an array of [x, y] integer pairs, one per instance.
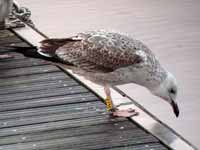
{"points": [[43, 54]]}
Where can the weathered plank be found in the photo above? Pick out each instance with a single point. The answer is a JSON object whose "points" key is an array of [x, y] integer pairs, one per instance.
{"points": [[45, 77], [55, 125], [20, 88], [27, 71], [91, 141], [102, 140], [65, 115], [19, 62], [49, 92], [54, 109], [110, 126], [47, 101], [8, 38], [150, 146]]}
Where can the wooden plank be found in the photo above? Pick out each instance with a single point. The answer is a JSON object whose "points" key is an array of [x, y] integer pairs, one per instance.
{"points": [[19, 63], [109, 126], [91, 141], [5, 34], [28, 79], [47, 101], [54, 109], [48, 126], [10, 40], [43, 93], [20, 88], [148, 146], [77, 111], [27, 71]]}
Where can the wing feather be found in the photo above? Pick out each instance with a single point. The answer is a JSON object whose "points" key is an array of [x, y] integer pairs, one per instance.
{"points": [[100, 52]]}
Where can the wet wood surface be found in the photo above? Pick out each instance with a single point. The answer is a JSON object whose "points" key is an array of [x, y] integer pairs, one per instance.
{"points": [[41, 107]]}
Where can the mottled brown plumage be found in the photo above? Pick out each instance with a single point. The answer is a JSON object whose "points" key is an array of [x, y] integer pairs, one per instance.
{"points": [[93, 52]]}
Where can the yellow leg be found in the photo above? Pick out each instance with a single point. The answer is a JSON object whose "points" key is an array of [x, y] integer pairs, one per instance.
{"points": [[108, 100], [115, 112], [108, 104]]}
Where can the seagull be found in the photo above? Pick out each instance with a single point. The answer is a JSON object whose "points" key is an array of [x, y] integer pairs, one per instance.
{"points": [[110, 59]]}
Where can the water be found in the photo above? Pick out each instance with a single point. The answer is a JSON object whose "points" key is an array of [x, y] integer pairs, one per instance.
{"points": [[170, 28]]}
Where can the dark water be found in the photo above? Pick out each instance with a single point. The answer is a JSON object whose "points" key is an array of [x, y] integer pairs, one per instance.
{"points": [[170, 28]]}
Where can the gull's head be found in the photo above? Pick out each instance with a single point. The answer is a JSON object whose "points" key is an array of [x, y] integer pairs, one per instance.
{"points": [[168, 90]]}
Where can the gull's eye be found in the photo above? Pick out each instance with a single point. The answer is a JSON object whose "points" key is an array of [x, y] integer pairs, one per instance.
{"points": [[172, 91]]}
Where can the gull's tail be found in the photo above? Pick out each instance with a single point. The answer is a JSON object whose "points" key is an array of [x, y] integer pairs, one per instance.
{"points": [[49, 46], [29, 51]]}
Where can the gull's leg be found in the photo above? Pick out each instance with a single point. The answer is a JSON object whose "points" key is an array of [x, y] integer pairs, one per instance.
{"points": [[108, 100], [115, 111]]}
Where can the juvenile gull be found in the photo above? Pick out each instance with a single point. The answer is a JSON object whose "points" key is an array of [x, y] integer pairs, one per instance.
{"points": [[111, 59]]}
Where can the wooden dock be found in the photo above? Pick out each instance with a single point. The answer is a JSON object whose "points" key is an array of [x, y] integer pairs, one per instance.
{"points": [[43, 108]]}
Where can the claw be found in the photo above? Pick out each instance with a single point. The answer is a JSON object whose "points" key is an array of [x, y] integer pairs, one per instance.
{"points": [[131, 110], [125, 113]]}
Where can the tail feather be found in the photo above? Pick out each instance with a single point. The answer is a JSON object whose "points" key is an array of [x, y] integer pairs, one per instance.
{"points": [[29, 51], [49, 46]]}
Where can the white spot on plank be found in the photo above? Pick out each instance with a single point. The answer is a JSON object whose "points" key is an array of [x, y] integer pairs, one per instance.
{"points": [[5, 123], [64, 84], [14, 130]]}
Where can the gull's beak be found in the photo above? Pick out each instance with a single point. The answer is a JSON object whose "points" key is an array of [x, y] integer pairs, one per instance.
{"points": [[175, 108]]}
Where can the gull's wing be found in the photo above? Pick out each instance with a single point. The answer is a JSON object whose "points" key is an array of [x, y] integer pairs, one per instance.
{"points": [[100, 51]]}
